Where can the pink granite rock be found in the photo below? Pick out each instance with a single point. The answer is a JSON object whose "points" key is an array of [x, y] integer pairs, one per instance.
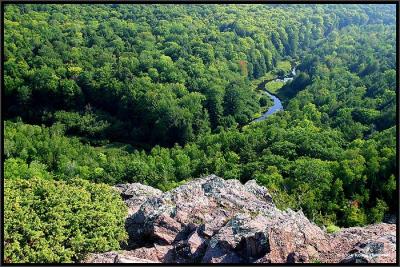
{"points": [[212, 220]]}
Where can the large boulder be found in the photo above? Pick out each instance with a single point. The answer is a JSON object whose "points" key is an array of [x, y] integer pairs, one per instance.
{"points": [[135, 194], [242, 238], [212, 220]]}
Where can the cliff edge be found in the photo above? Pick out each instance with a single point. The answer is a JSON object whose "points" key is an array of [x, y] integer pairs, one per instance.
{"points": [[212, 220]]}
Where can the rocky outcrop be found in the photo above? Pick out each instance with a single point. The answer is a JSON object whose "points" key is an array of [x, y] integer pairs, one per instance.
{"points": [[211, 220], [117, 257], [135, 194], [370, 244]]}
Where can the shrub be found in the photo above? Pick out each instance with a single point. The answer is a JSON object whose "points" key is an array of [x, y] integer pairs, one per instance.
{"points": [[18, 168], [331, 229], [264, 100], [48, 221], [378, 212]]}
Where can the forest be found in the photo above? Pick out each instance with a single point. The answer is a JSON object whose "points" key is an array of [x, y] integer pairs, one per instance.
{"points": [[97, 95]]}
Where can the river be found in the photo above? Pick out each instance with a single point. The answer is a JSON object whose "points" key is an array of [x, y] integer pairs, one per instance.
{"points": [[277, 102]]}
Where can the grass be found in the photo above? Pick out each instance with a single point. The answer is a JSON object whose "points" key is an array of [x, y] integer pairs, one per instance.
{"points": [[284, 65], [256, 115], [274, 86], [267, 76]]}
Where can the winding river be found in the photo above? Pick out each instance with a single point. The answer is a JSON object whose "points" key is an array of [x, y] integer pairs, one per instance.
{"points": [[277, 102]]}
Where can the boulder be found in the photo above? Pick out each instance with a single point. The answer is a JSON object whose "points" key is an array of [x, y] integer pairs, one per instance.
{"points": [[136, 194], [243, 237]]}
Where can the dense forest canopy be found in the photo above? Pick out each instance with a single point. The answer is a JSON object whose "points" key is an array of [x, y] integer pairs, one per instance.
{"points": [[157, 74], [160, 94]]}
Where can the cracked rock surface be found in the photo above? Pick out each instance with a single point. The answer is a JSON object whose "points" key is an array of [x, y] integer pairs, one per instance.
{"points": [[212, 220]]}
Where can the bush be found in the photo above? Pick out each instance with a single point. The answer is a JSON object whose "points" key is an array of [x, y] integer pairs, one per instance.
{"points": [[331, 229], [18, 168], [49, 221], [265, 100], [355, 216], [378, 212]]}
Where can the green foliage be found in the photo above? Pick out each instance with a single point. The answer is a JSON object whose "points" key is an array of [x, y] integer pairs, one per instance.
{"points": [[265, 101], [164, 98], [19, 169], [331, 229], [53, 221], [283, 67], [378, 212], [274, 86], [355, 216]]}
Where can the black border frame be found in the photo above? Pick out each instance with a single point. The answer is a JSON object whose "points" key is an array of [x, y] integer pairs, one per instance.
{"points": [[311, 2]]}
